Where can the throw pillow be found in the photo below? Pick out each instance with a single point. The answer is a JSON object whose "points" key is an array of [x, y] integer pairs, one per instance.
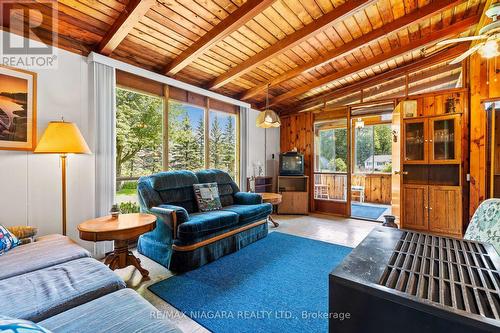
{"points": [[7, 240], [207, 197], [13, 325]]}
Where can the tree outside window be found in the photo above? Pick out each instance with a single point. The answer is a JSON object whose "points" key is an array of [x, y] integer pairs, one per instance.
{"points": [[186, 137], [222, 145], [373, 149], [138, 142]]}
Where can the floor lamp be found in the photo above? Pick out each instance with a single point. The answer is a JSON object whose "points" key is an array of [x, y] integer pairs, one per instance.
{"points": [[62, 138]]}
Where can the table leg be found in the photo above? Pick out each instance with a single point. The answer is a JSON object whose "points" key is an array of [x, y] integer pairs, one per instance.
{"points": [[270, 219], [121, 257]]}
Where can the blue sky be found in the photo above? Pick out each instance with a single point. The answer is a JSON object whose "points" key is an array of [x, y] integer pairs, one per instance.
{"points": [[195, 114]]}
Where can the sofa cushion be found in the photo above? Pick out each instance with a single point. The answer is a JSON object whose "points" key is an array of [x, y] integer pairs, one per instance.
{"points": [[46, 251], [176, 188], [43, 293], [227, 187], [121, 311], [14, 325], [202, 224], [7, 240], [250, 213]]}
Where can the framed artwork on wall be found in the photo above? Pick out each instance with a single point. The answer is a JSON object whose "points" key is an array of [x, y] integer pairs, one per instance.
{"points": [[17, 109]]}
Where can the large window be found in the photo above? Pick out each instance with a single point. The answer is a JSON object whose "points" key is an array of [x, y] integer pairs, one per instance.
{"points": [[223, 142], [196, 138], [186, 137], [139, 120], [373, 149]]}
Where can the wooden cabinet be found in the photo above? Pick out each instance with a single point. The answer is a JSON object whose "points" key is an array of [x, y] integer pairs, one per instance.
{"points": [[434, 140], [262, 184], [432, 163], [444, 139], [436, 209], [415, 141], [295, 194], [416, 202], [445, 210]]}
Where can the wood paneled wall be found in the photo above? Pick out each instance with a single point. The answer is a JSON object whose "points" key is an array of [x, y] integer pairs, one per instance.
{"points": [[484, 85], [297, 132], [377, 187]]}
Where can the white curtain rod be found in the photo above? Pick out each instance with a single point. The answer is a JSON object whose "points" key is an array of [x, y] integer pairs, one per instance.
{"points": [[123, 66]]}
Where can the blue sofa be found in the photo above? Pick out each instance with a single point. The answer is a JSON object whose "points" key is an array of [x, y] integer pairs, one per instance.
{"points": [[185, 238], [55, 283]]}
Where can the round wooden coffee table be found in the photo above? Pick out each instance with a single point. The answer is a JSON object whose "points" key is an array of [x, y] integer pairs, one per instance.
{"points": [[274, 199], [121, 230]]}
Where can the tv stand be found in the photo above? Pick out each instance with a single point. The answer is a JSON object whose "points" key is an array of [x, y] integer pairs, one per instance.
{"points": [[295, 193]]}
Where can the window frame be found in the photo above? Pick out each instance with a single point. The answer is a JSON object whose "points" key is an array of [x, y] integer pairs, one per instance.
{"points": [[206, 116], [236, 115], [354, 151]]}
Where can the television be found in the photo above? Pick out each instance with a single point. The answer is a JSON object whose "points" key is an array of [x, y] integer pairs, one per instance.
{"points": [[291, 164]]}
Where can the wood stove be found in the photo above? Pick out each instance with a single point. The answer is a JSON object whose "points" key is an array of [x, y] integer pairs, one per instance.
{"points": [[399, 280]]}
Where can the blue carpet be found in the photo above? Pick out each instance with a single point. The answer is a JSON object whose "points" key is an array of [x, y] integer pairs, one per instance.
{"points": [[265, 287], [366, 212]]}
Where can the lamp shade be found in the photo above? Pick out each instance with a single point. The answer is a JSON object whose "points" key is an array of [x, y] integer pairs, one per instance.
{"points": [[62, 137], [267, 119]]}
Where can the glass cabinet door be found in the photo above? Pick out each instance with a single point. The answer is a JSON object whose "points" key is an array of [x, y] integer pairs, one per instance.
{"points": [[415, 145], [445, 139]]}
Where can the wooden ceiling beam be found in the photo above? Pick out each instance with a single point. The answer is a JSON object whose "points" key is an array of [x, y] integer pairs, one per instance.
{"points": [[417, 89], [135, 10], [396, 25], [233, 22], [343, 11], [413, 80], [384, 96], [442, 56], [434, 37]]}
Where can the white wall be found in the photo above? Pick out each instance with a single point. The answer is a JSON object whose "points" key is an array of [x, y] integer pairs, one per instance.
{"points": [[256, 151], [30, 191], [30, 187]]}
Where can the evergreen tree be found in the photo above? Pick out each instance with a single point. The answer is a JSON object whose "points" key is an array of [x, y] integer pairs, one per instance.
{"points": [[216, 144], [229, 144], [184, 149], [200, 142]]}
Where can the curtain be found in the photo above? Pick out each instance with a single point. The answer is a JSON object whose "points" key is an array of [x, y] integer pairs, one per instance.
{"points": [[243, 148], [103, 111]]}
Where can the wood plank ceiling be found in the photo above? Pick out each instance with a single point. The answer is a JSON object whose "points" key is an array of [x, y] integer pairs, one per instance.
{"points": [[304, 50]]}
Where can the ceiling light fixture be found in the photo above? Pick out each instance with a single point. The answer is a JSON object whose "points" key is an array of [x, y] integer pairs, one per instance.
{"points": [[268, 118]]}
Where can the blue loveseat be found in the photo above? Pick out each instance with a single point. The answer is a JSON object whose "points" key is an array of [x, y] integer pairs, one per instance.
{"points": [[185, 238]]}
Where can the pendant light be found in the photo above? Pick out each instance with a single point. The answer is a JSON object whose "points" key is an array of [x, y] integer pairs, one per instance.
{"points": [[359, 123], [268, 118]]}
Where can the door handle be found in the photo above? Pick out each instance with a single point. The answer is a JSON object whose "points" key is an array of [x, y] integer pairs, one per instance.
{"points": [[400, 172]]}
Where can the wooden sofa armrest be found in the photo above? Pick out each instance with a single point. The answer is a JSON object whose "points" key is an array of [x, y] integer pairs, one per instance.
{"points": [[167, 215]]}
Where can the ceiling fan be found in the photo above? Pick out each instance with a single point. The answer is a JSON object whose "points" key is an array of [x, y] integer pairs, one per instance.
{"points": [[490, 34]]}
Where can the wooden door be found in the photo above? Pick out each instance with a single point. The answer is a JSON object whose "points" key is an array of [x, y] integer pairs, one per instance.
{"points": [[416, 203], [445, 210], [397, 167], [415, 143], [444, 139]]}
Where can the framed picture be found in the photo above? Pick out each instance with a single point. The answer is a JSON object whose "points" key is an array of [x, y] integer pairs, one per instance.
{"points": [[17, 109]]}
